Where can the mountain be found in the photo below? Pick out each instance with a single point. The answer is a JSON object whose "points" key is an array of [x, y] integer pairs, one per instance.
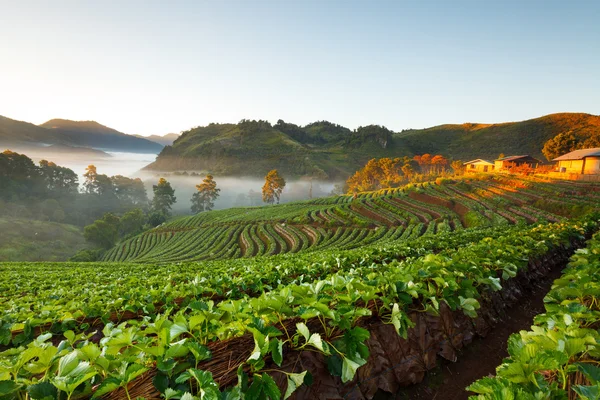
{"points": [[13, 131], [324, 149], [81, 134], [92, 134], [165, 140]]}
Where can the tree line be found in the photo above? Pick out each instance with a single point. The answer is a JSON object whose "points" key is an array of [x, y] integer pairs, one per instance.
{"points": [[391, 172]]}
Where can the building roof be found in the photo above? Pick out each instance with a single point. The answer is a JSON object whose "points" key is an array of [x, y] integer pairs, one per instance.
{"points": [[579, 154], [512, 158], [479, 160]]}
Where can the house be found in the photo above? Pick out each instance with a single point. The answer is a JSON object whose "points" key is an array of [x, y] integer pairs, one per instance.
{"points": [[584, 162], [479, 165], [510, 162]]}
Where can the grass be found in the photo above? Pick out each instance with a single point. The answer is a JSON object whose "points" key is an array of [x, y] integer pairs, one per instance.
{"points": [[29, 240]]}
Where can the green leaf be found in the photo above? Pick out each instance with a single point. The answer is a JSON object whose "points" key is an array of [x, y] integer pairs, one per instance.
{"points": [[161, 382], [70, 335], [349, 368], [590, 371], [133, 371], [177, 350], [587, 392], [177, 329], [316, 342], [42, 391], [172, 394], [303, 329], [270, 388], [8, 387], [276, 346], [293, 382], [199, 351], [108, 385]]}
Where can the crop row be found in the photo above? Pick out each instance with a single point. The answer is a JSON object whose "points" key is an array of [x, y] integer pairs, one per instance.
{"points": [[559, 358], [189, 350]]}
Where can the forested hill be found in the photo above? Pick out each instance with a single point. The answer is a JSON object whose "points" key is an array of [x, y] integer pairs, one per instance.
{"points": [[472, 140], [324, 149]]}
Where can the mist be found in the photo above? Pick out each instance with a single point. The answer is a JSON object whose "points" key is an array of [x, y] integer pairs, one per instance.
{"points": [[235, 191]]}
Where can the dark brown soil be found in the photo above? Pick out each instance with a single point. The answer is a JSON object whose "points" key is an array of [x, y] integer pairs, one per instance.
{"points": [[479, 359]]}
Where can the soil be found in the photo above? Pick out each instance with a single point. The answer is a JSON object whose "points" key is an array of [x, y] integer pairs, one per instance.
{"points": [[479, 359]]}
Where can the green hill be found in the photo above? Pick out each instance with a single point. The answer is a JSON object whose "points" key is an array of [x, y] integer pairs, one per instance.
{"points": [[29, 240], [252, 148], [471, 140], [324, 149]]}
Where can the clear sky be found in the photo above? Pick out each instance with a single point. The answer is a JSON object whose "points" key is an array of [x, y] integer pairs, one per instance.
{"points": [[154, 67]]}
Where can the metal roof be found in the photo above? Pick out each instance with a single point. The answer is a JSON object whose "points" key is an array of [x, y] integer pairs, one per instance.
{"points": [[478, 160], [579, 154]]}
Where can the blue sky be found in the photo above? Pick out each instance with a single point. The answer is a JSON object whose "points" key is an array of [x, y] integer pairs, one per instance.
{"points": [[153, 67]]}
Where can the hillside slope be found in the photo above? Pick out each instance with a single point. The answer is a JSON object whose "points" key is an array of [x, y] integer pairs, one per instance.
{"points": [[470, 140], [342, 222], [323, 149], [87, 134], [93, 134], [13, 131], [252, 148], [29, 240]]}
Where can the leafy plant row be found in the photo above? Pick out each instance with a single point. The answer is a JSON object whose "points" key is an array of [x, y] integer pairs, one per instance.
{"points": [[179, 347], [559, 358], [56, 297]]}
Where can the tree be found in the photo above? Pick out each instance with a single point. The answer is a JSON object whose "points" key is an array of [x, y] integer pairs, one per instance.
{"points": [[207, 193], [129, 190], [59, 181], [164, 197], [408, 170], [457, 166], [104, 232], [560, 144], [96, 183], [19, 177], [274, 185], [440, 163], [132, 222], [90, 176], [156, 218]]}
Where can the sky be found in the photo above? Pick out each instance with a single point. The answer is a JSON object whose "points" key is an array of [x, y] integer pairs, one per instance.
{"points": [[155, 67]]}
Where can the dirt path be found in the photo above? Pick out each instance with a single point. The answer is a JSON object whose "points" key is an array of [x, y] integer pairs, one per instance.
{"points": [[480, 358]]}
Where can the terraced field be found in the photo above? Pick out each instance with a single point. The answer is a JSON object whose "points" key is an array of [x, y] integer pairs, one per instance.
{"points": [[344, 222], [357, 297]]}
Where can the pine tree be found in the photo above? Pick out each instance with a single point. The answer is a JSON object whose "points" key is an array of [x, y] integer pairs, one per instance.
{"points": [[203, 199], [164, 197]]}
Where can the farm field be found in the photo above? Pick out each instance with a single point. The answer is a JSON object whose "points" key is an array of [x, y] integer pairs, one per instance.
{"points": [[331, 298], [343, 222]]}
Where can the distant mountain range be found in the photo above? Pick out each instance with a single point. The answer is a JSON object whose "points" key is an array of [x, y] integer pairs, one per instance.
{"points": [[320, 149], [87, 134], [165, 140], [324, 149]]}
